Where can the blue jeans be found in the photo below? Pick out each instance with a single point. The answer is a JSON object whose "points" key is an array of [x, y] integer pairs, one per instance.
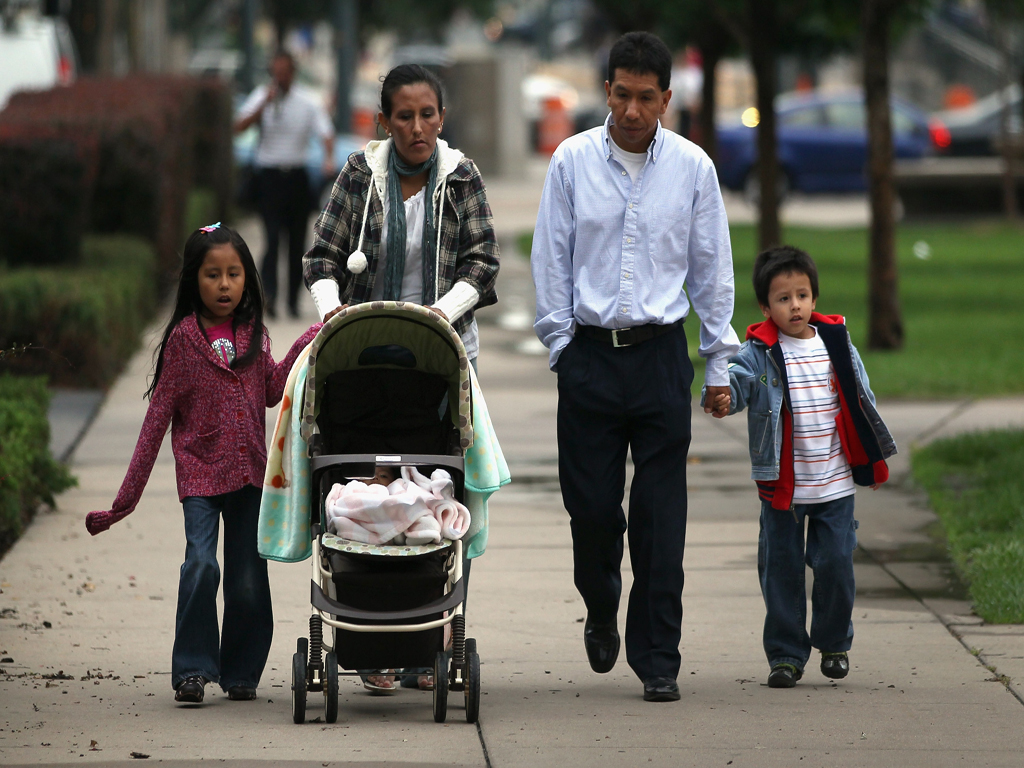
{"points": [[239, 655], [831, 539]]}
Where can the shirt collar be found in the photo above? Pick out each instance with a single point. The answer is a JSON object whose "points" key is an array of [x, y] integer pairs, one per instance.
{"points": [[652, 150]]}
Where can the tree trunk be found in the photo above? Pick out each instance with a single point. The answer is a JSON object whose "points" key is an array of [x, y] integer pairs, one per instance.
{"points": [[712, 45], [1007, 141], [763, 54], [885, 325]]}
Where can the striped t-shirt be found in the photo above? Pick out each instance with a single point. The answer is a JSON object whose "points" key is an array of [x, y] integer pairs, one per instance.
{"points": [[821, 471]]}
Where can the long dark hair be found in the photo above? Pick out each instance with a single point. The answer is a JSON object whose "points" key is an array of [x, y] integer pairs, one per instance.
{"points": [[249, 310], [408, 74]]}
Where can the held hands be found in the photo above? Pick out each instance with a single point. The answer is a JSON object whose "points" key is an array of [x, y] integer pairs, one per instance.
{"points": [[717, 402]]}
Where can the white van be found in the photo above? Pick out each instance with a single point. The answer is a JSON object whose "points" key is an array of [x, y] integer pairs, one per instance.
{"points": [[36, 53]]}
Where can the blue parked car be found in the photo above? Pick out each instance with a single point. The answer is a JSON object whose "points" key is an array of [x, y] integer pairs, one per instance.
{"points": [[822, 143]]}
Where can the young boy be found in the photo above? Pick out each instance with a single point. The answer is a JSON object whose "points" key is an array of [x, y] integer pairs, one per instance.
{"points": [[814, 434]]}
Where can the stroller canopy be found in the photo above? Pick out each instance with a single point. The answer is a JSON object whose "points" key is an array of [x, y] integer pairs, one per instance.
{"points": [[389, 335]]}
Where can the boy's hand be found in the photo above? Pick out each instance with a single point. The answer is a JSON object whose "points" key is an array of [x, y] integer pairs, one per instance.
{"points": [[714, 399], [721, 406]]}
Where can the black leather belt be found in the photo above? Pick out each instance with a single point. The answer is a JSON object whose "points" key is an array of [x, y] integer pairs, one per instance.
{"points": [[626, 337]]}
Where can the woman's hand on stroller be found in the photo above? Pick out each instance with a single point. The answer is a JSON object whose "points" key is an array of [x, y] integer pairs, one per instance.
{"points": [[438, 311], [333, 312]]}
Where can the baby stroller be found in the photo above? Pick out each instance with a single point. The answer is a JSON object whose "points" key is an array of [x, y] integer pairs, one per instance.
{"points": [[387, 385]]}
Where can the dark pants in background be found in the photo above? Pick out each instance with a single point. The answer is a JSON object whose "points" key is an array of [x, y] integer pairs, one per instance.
{"points": [[284, 204], [610, 400]]}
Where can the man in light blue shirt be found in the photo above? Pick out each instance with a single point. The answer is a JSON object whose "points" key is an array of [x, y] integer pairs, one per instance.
{"points": [[630, 213]]}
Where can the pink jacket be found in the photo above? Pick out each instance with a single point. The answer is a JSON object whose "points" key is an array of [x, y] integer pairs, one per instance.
{"points": [[217, 418]]}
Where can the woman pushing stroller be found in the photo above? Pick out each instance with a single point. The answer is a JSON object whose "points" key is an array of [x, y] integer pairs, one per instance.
{"points": [[408, 220]]}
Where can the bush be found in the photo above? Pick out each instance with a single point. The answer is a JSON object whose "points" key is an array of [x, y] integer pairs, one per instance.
{"points": [[82, 324], [42, 202], [976, 488], [28, 474], [143, 141]]}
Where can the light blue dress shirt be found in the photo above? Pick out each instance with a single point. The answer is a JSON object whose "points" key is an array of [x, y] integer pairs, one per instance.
{"points": [[615, 253]]}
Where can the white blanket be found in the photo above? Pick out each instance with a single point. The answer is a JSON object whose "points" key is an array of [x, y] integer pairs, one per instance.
{"points": [[411, 510]]}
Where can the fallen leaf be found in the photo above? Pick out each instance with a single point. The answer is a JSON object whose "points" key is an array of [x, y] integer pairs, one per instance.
{"points": [[139, 755]]}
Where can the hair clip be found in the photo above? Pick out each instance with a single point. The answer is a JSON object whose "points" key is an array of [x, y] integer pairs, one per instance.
{"points": [[210, 228]]}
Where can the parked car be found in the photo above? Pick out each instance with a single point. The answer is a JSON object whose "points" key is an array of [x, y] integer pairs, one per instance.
{"points": [[822, 143], [976, 129], [36, 53]]}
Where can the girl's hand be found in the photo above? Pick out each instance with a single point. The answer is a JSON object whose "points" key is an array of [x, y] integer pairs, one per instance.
{"points": [[97, 522]]}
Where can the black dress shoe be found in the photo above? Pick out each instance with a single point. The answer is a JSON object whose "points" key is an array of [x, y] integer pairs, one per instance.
{"points": [[602, 642], [661, 689]]}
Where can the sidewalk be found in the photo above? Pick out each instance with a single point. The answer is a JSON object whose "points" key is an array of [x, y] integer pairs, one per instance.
{"points": [[86, 623]]}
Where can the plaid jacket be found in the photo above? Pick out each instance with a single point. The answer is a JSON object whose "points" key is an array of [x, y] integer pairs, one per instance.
{"points": [[468, 246]]}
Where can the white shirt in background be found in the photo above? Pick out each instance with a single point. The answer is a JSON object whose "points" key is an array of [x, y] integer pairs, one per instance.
{"points": [[286, 126]]}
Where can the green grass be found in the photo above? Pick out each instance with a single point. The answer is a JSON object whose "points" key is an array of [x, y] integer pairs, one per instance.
{"points": [[960, 306], [976, 487]]}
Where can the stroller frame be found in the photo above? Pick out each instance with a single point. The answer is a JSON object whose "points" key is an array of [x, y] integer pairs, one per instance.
{"points": [[315, 663]]}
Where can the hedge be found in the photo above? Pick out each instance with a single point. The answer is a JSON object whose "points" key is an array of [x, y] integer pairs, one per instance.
{"points": [[29, 476], [134, 148], [81, 324]]}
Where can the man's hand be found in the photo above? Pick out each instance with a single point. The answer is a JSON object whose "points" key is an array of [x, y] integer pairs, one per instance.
{"points": [[717, 401], [442, 314]]}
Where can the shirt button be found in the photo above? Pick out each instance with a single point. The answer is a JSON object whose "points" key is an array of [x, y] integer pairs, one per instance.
{"points": [[631, 206], [625, 275], [241, 449], [623, 173], [775, 382], [624, 310], [629, 239]]}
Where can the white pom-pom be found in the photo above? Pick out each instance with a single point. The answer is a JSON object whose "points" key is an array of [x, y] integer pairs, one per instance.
{"points": [[357, 262]]}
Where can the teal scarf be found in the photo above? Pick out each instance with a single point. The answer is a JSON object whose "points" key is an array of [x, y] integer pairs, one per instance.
{"points": [[395, 268]]}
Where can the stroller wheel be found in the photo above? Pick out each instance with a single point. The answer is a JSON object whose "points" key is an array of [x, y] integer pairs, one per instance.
{"points": [[440, 687], [471, 676], [298, 688], [331, 688], [302, 647]]}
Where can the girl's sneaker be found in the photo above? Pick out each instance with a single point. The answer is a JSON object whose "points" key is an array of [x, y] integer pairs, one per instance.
{"points": [[835, 665], [191, 690], [784, 676]]}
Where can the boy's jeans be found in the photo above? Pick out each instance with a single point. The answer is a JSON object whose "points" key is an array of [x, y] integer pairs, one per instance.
{"points": [[831, 539], [239, 658]]}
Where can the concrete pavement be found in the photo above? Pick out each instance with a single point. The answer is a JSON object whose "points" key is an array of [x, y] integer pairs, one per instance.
{"points": [[86, 624]]}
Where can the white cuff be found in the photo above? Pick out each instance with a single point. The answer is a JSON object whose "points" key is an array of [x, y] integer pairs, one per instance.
{"points": [[325, 296], [461, 298], [716, 372]]}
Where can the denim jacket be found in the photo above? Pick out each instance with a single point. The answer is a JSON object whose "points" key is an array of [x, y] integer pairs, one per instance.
{"points": [[757, 379]]}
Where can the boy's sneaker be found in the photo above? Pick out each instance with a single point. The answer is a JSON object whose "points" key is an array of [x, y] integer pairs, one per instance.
{"points": [[242, 693], [835, 665], [784, 676], [191, 690]]}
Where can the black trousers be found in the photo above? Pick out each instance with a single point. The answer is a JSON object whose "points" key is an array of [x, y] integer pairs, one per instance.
{"points": [[284, 204], [610, 400]]}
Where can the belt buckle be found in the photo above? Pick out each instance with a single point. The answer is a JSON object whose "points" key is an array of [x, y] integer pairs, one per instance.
{"points": [[615, 338]]}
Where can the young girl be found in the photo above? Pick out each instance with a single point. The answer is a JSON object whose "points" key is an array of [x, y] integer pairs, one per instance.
{"points": [[214, 379]]}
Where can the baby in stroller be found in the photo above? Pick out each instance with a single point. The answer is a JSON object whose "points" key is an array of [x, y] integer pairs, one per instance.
{"points": [[388, 509]]}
